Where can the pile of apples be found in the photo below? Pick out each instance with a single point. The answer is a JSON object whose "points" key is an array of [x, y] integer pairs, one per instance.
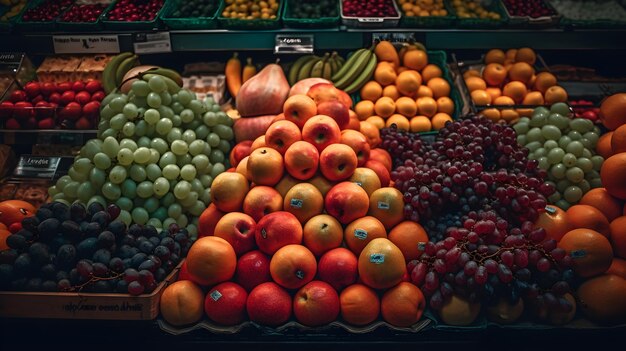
{"points": [[68, 105], [304, 225]]}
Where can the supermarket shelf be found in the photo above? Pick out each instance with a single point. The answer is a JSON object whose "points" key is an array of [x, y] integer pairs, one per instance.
{"points": [[344, 38], [48, 131]]}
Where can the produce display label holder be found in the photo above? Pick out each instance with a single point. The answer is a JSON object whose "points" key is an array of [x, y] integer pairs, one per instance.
{"points": [[394, 37], [152, 43], [38, 167], [86, 44], [294, 44]]}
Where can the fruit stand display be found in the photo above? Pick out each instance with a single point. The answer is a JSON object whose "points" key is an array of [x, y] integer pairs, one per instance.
{"points": [[376, 188]]}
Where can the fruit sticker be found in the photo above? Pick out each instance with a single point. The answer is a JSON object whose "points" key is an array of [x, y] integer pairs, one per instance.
{"points": [[383, 205], [360, 234], [377, 258], [578, 253], [296, 203], [215, 295]]}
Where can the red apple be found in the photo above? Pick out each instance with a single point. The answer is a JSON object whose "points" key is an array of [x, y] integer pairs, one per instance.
{"points": [[93, 86], [17, 96], [43, 110], [269, 304], [338, 267], [63, 87], [78, 86], [54, 97], [46, 123], [12, 123], [72, 111], [32, 89], [91, 109], [6, 109], [239, 152], [82, 97], [98, 96], [37, 99], [316, 304], [47, 88], [23, 110], [321, 131], [253, 268], [225, 304], [67, 97], [82, 123], [336, 110], [238, 229]]}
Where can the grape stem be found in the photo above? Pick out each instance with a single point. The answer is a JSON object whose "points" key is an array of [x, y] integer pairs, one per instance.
{"points": [[93, 279]]}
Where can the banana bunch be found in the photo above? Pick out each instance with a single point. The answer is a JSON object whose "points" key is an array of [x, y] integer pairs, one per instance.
{"points": [[313, 66], [113, 74], [356, 71]]}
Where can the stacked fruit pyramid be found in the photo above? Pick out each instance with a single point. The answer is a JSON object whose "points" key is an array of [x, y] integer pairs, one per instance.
{"points": [[273, 234]]}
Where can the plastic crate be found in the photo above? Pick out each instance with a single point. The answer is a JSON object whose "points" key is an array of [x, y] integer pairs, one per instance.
{"points": [[496, 6], [84, 26], [237, 23], [371, 22], [591, 23], [537, 22], [32, 26], [190, 22], [429, 21], [322, 22], [136, 25]]}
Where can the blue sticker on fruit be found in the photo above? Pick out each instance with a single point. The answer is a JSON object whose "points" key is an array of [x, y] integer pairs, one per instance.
{"points": [[377, 258], [215, 295], [578, 253], [383, 205], [421, 246], [296, 203], [550, 209], [360, 234]]}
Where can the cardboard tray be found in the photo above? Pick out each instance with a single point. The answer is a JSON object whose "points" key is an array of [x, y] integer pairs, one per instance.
{"points": [[84, 305]]}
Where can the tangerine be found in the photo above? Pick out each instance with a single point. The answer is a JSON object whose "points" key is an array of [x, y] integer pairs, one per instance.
{"points": [[590, 251], [613, 173]]}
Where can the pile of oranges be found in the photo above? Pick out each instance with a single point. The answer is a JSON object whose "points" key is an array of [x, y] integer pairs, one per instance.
{"points": [[509, 78], [407, 91]]}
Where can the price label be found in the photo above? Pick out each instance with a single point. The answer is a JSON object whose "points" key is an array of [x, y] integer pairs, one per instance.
{"points": [[395, 38], [30, 166], [294, 44], [86, 44], [11, 58], [152, 43]]}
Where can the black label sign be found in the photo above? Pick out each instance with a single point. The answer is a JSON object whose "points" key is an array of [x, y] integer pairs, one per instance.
{"points": [[30, 166], [294, 44], [152, 43]]}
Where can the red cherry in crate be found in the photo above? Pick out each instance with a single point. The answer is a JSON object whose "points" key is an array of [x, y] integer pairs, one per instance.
{"points": [[43, 110], [32, 89], [55, 98], [67, 97], [23, 110], [6, 109], [78, 86], [72, 111], [83, 97], [47, 123], [93, 86], [47, 88], [82, 123], [17, 95], [98, 96], [91, 109], [12, 123], [63, 87]]}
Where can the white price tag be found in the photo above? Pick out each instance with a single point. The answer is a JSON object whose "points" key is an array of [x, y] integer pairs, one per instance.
{"points": [[86, 44], [152, 43], [294, 44]]}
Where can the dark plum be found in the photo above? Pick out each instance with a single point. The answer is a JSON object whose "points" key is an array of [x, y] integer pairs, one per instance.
{"points": [[87, 247]]}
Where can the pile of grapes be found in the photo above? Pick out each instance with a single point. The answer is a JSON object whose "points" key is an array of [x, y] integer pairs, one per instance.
{"points": [[565, 147], [477, 195], [70, 249], [156, 155]]}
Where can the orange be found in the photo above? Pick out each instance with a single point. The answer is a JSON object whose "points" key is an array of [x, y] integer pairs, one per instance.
{"points": [[361, 231], [431, 71], [480, 97], [618, 140], [384, 107], [613, 173], [591, 251], [410, 238], [510, 54], [304, 201], [509, 115], [322, 233], [603, 147], [475, 83], [589, 217], [381, 264], [360, 304], [533, 98], [182, 303], [618, 237], [440, 119], [459, 311], [471, 73], [494, 74], [364, 109], [415, 59], [211, 260], [408, 82], [494, 92], [525, 112], [618, 267], [439, 86], [371, 91], [602, 300], [515, 90], [445, 104], [555, 94], [492, 114], [391, 91], [424, 90], [4, 234], [378, 121], [371, 132], [385, 73], [420, 124], [403, 305], [612, 111], [495, 56], [521, 72], [526, 55], [426, 106], [603, 201], [387, 205], [503, 101], [543, 81], [555, 222], [293, 266], [401, 122], [406, 106]]}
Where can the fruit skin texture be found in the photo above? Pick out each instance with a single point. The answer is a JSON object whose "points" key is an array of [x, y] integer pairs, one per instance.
{"points": [[316, 304], [360, 304], [381, 264], [602, 299], [458, 311], [238, 229], [250, 128], [299, 108], [182, 303], [612, 111], [612, 174], [338, 162], [263, 94], [253, 268], [338, 267], [211, 260], [302, 160], [603, 201], [346, 202], [13, 211], [403, 305], [386, 204], [555, 222], [618, 237], [226, 304], [269, 304], [265, 166], [322, 233], [321, 131], [585, 216], [276, 230], [228, 191], [361, 231], [293, 266], [408, 236], [591, 252]]}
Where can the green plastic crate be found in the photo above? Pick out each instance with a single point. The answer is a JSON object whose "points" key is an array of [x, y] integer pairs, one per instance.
{"points": [[236, 23], [428, 21], [137, 25], [84, 26], [322, 22], [495, 6], [36, 26], [187, 23]]}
